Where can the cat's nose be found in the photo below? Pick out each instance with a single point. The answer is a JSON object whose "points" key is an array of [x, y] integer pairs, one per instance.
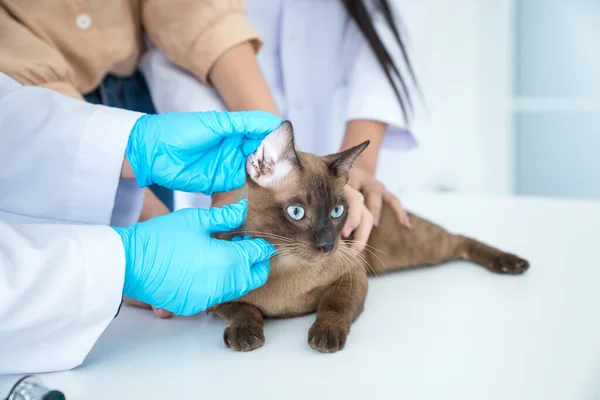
{"points": [[325, 247]]}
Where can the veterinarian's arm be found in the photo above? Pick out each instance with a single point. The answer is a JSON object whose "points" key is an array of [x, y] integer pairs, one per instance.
{"points": [[61, 286], [60, 158], [32, 61]]}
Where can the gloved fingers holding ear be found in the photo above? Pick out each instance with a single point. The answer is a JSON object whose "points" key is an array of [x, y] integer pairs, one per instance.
{"points": [[201, 152]]}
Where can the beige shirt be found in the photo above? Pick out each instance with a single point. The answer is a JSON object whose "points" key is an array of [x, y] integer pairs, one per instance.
{"points": [[70, 45]]}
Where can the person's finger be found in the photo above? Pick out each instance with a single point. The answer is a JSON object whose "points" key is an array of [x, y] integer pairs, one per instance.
{"points": [[374, 200], [221, 199], [250, 124], [162, 313], [398, 208], [136, 303], [259, 274], [355, 204], [362, 232], [225, 218]]}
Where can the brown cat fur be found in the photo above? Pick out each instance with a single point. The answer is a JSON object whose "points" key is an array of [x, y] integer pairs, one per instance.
{"points": [[304, 279]]}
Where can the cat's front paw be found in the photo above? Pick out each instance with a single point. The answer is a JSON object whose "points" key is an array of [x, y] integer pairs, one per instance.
{"points": [[244, 338], [328, 337], [510, 264]]}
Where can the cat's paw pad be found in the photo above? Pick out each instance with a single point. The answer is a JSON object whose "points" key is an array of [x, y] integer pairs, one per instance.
{"points": [[244, 338], [327, 338], [510, 264]]}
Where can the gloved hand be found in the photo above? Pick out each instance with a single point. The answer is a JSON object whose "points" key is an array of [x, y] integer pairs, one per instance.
{"points": [[174, 264], [198, 151]]}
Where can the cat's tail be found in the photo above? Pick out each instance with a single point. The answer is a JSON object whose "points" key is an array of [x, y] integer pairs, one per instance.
{"points": [[491, 258], [392, 247]]}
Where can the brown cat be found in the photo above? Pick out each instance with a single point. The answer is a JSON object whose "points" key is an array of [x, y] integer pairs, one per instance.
{"points": [[296, 201]]}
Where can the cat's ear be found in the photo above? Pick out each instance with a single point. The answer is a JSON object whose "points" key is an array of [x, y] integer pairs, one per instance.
{"points": [[275, 157], [340, 163]]}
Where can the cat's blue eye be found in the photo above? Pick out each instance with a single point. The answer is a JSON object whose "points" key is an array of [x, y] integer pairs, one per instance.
{"points": [[337, 211], [295, 212]]}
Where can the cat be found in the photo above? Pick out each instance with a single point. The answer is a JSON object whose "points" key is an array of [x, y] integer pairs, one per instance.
{"points": [[296, 202]]}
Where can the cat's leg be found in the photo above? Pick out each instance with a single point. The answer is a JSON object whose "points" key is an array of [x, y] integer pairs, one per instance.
{"points": [[245, 331], [340, 305], [392, 247]]}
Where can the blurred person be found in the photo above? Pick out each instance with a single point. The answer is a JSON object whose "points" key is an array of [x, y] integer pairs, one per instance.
{"points": [[90, 51], [333, 66], [338, 69]]}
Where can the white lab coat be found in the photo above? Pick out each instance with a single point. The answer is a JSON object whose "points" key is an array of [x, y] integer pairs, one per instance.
{"points": [[60, 283], [319, 67]]}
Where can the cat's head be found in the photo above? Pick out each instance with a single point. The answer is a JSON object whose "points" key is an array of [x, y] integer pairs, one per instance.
{"points": [[296, 200]]}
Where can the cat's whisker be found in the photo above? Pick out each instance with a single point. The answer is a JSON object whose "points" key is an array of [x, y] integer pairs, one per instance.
{"points": [[296, 250], [349, 268], [352, 241], [287, 266], [361, 259], [371, 267], [367, 266], [344, 264], [264, 234], [338, 258], [297, 245], [291, 257], [285, 252], [271, 238], [358, 254]]}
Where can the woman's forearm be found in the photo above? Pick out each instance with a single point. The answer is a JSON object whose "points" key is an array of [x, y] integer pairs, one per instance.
{"points": [[357, 131], [239, 81]]}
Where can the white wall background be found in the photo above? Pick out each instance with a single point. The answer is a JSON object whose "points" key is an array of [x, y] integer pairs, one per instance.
{"points": [[449, 54], [512, 101]]}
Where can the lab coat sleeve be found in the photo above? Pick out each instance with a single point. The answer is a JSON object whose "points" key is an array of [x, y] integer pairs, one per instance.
{"points": [[370, 95], [60, 285], [60, 158]]}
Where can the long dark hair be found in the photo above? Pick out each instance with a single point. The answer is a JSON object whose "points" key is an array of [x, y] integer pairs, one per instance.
{"points": [[360, 14]]}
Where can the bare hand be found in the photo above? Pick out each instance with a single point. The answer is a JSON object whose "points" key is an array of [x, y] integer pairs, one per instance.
{"points": [[152, 206], [360, 219], [163, 314], [366, 196], [223, 199]]}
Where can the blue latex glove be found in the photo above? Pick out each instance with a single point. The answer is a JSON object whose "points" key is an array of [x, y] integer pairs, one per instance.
{"points": [[173, 263], [196, 152]]}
